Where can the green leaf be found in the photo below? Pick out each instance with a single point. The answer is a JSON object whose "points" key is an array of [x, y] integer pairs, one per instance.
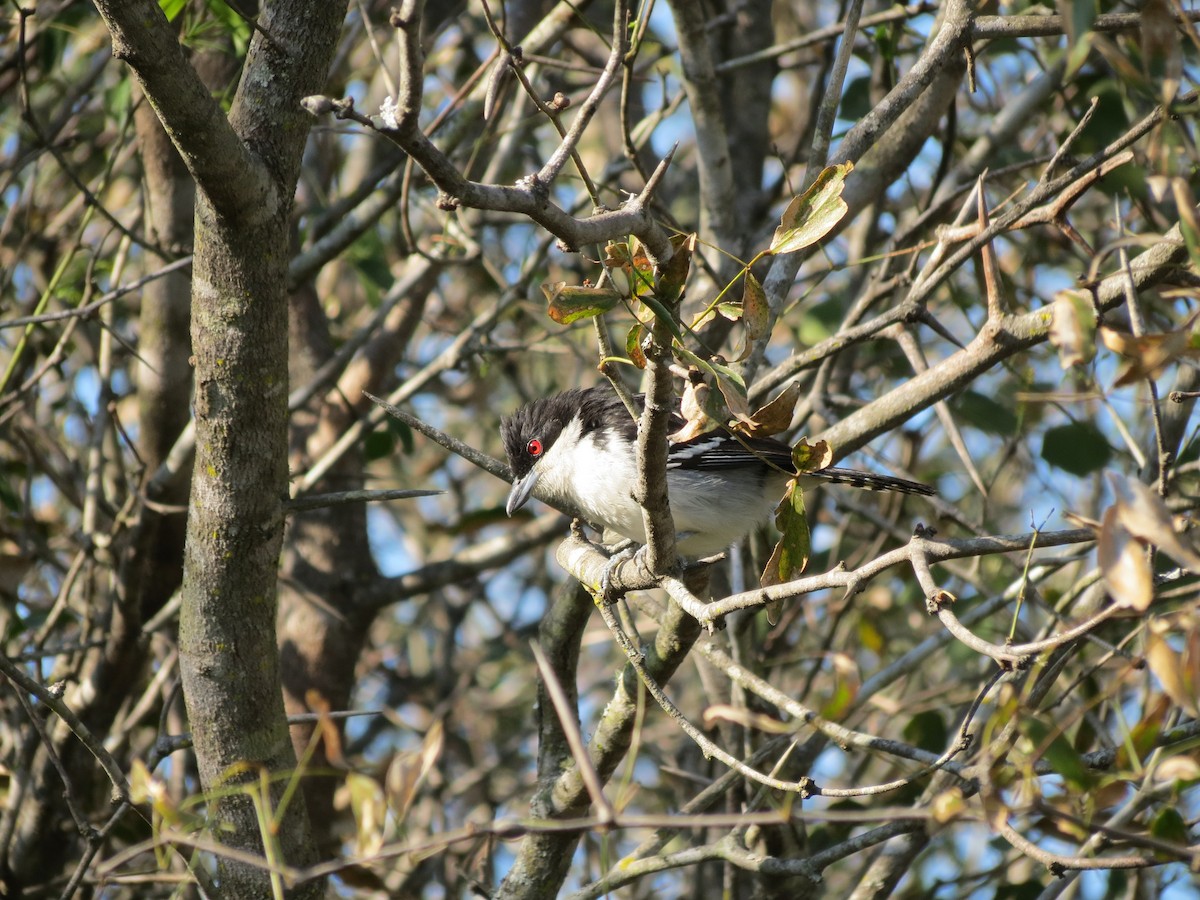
{"points": [[856, 98], [927, 730], [403, 433], [568, 303], [1057, 751], [119, 98], [8, 496], [234, 22], [669, 286], [836, 705], [1024, 890], [795, 544], [885, 41], [1077, 17], [172, 8], [1168, 825], [813, 214], [379, 444], [661, 314], [1079, 448], [986, 414]]}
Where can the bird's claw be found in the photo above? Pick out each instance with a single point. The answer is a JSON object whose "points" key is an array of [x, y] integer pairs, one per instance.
{"points": [[622, 553]]}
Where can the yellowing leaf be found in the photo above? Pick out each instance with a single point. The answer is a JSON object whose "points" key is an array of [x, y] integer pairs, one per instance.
{"points": [[869, 636], [142, 784], [848, 681], [407, 771], [808, 457], [756, 312], [813, 214], [370, 812], [948, 805], [616, 256], [630, 257], [568, 303], [1073, 327], [722, 712], [633, 345], [727, 309], [641, 272]]}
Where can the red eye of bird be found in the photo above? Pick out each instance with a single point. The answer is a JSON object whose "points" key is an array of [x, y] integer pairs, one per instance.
{"points": [[534, 447]]}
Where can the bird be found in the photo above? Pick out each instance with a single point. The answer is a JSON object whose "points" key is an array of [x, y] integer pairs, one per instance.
{"points": [[577, 450]]}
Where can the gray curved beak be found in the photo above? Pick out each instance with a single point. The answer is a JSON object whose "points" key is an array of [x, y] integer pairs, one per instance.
{"points": [[521, 491]]}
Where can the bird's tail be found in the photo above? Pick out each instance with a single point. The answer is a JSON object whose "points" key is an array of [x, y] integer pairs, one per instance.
{"points": [[870, 481]]}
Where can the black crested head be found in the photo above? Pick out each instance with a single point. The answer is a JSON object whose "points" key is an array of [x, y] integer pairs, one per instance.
{"points": [[532, 430]]}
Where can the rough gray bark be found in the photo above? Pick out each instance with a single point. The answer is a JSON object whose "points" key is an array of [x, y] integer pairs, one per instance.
{"points": [[246, 169]]}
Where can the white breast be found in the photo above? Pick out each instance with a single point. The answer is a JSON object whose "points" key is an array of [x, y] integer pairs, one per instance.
{"points": [[586, 473]]}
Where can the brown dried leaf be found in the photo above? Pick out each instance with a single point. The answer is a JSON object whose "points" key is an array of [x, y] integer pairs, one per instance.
{"points": [[694, 407], [734, 392], [1149, 354], [1177, 768], [723, 712], [616, 255], [1145, 516], [1176, 672], [774, 417], [1160, 47], [1124, 564], [729, 382], [407, 771]]}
